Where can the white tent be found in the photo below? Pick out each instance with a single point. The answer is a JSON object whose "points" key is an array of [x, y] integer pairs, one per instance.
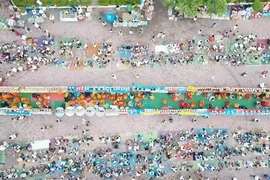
{"points": [[43, 144], [161, 48]]}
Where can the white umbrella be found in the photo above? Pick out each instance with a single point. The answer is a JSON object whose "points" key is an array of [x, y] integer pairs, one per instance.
{"points": [[100, 112], [80, 111], [70, 111], [59, 112], [90, 111]]}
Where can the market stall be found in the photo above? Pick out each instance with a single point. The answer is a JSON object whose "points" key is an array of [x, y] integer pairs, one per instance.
{"points": [[38, 145], [68, 16], [139, 99]]}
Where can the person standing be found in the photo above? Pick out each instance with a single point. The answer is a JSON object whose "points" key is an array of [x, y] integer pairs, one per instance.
{"points": [[194, 19], [244, 74], [120, 33], [37, 26], [51, 18], [137, 75], [114, 76], [28, 30], [163, 36], [130, 32], [13, 136], [262, 85], [235, 26], [159, 34], [141, 31], [213, 25], [104, 24], [16, 32], [154, 39], [264, 73]]}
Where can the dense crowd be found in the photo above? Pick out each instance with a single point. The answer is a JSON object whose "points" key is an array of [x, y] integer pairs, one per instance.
{"points": [[208, 147]]}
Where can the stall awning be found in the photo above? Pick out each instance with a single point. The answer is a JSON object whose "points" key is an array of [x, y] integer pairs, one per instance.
{"points": [[43, 144]]}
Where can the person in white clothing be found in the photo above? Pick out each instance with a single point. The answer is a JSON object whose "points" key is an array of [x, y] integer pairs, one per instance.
{"points": [[37, 26], [13, 136], [262, 85]]}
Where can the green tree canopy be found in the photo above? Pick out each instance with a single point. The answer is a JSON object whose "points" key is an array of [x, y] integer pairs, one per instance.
{"points": [[257, 5], [189, 7], [217, 7], [169, 3]]}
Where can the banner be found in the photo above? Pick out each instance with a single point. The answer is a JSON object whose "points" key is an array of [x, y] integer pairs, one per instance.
{"points": [[111, 112], [9, 89], [150, 112], [43, 89], [188, 112], [14, 112], [41, 111], [112, 89]]}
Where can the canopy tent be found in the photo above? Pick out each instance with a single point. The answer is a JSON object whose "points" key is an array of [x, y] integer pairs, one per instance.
{"points": [[43, 144], [110, 17], [67, 15], [2, 158]]}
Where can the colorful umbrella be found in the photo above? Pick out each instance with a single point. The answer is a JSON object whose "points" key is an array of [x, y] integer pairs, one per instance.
{"points": [[129, 7], [109, 17]]}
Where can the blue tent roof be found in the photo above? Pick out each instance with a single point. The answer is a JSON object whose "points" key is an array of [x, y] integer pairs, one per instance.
{"points": [[109, 17]]}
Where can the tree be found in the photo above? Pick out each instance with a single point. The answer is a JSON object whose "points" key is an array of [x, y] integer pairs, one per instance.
{"points": [[169, 3], [257, 5], [217, 7], [189, 7]]}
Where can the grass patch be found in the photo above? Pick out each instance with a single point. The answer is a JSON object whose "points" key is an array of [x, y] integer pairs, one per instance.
{"points": [[53, 2], [117, 2]]}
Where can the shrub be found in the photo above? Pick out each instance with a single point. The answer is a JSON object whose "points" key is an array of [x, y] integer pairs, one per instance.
{"points": [[257, 5]]}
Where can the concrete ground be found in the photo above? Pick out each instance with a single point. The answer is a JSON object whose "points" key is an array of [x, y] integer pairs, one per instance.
{"points": [[90, 31]]}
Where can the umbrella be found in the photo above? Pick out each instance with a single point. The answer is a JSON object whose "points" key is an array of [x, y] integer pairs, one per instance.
{"points": [[90, 111], [59, 112], [70, 111], [129, 7], [80, 111], [109, 17], [164, 111], [100, 112], [266, 176]]}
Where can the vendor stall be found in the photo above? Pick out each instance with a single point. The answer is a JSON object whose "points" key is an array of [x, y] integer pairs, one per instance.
{"points": [[266, 9], [139, 99], [161, 49], [2, 158], [15, 23], [38, 145], [68, 16]]}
